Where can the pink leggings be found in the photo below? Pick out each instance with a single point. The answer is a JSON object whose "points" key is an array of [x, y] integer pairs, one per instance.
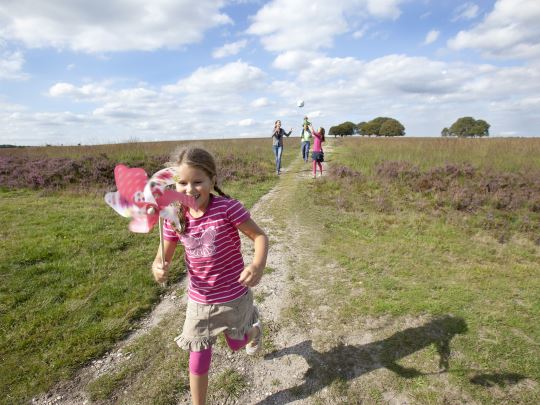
{"points": [[199, 362], [315, 164]]}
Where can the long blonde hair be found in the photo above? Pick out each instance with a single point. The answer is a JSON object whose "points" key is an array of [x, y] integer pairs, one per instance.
{"points": [[201, 159]]}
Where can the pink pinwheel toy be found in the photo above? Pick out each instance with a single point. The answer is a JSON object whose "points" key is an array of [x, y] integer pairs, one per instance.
{"points": [[146, 201]]}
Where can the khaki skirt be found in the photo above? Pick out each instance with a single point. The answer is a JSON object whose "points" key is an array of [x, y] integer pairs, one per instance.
{"points": [[204, 322]]}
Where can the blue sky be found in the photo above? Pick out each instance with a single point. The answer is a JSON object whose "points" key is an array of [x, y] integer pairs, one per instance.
{"points": [[111, 71]]}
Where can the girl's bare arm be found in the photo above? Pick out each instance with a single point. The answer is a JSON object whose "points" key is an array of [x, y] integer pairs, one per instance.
{"points": [[252, 274]]}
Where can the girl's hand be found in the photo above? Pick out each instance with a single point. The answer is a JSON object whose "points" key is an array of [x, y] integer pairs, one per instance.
{"points": [[160, 271], [251, 276]]}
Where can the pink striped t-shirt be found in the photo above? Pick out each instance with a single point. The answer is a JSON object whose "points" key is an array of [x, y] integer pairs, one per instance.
{"points": [[212, 251]]}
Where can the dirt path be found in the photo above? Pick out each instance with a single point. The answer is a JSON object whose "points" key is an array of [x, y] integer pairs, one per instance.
{"points": [[287, 241], [263, 377], [268, 377]]}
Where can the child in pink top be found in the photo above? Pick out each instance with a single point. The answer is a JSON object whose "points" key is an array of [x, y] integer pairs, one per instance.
{"points": [[219, 297], [318, 154]]}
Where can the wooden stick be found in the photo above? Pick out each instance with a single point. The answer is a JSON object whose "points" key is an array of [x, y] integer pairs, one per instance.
{"points": [[162, 246]]}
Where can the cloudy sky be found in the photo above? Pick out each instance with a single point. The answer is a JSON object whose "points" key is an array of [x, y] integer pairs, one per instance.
{"points": [[110, 71]]}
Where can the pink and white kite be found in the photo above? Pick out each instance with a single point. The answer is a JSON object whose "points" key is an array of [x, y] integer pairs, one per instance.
{"points": [[147, 201]]}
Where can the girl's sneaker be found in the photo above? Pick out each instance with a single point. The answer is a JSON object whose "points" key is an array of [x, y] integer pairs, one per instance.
{"points": [[256, 343]]}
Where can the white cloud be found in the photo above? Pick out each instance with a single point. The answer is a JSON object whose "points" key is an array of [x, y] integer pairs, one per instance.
{"points": [[431, 37], [424, 94], [384, 8], [285, 24], [61, 89], [294, 60], [260, 102], [466, 11], [109, 25], [85, 92], [11, 64], [327, 69], [511, 30], [315, 114], [230, 78], [421, 92], [246, 122], [360, 33], [309, 25], [229, 49]]}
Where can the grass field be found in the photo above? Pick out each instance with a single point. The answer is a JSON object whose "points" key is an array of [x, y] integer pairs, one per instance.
{"points": [[74, 280], [406, 257], [431, 246]]}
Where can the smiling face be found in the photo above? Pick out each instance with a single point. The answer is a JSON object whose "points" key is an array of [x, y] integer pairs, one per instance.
{"points": [[195, 182]]}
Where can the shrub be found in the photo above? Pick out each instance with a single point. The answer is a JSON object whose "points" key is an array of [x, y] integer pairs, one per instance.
{"points": [[341, 172], [397, 170], [467, 188], [56, 173]]}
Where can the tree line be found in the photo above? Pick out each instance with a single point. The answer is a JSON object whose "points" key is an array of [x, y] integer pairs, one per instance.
{"points": [[380, 126], [467, 127], [385, 126]]}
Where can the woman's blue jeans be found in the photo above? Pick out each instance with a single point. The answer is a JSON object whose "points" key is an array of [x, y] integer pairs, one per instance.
{"points": [[305, 150], [278, 150]]}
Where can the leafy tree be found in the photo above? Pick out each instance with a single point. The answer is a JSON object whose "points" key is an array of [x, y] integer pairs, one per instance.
{"points": [[382, 126], [391, 127], [481, 128], [376, 124], [342, 130], [468, 127], [371, 128], [463, 127], [445, 132], [345, 128], [360, 128], [348, 128]]}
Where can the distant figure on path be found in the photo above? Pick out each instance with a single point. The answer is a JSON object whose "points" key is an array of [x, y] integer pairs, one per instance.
{"points": [[306, 139], [219, 295], [318, 153], [277, 143]]}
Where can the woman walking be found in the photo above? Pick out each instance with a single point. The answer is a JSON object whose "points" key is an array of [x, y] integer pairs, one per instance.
{"points": [[277, 143]]}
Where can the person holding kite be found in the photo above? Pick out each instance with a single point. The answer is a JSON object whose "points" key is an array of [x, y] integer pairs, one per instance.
{"points": [[219, 295], [219, 288]]}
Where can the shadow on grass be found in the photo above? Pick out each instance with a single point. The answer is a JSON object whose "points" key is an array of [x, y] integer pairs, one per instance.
{"points": [[499, 379], [346, 362]]}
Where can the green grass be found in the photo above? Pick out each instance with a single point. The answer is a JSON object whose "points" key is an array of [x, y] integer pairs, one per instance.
{"points": [[229, 384], [153, 370], [507, 154], [74, 280], [386, 253]]}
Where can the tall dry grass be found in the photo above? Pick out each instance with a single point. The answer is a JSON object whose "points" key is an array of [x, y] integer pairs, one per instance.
{"points": [[504, 154]]}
